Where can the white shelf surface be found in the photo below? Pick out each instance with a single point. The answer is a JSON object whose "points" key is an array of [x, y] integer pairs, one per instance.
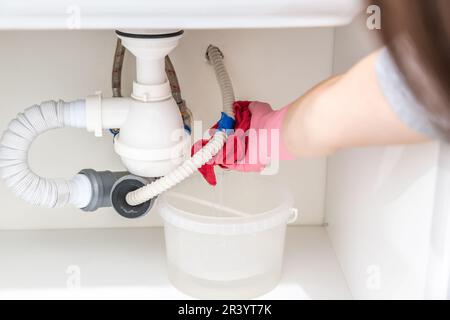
{"points": [[130, 264]]}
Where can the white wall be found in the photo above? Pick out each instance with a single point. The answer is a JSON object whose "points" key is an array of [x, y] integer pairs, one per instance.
{"points": [[381, 202], [268, 65]]}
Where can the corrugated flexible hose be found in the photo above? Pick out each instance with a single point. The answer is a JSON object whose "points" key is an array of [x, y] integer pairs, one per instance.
{"points": [[16, 142]]}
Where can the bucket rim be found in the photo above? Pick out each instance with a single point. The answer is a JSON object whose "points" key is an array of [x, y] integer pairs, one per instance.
{"points": [[186, 220]]}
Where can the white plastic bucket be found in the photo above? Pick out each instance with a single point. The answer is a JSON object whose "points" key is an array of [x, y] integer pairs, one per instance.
{"points": [[226, 241]]}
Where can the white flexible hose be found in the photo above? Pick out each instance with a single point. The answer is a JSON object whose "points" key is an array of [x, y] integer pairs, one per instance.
{"points": [[205, 154], [16, 142]]}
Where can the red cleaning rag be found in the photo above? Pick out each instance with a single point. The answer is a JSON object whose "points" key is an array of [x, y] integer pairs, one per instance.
{"points": [[233, 150]]}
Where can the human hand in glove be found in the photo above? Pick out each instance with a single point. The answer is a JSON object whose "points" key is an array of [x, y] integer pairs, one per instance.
{"points": [[255, 142]]}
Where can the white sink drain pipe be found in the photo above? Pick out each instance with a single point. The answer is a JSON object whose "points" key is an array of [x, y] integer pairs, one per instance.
{"points": [[145, 114], [189, 166]]}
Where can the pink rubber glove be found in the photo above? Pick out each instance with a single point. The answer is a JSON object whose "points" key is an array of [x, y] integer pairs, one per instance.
{"points": [[261, 144]]}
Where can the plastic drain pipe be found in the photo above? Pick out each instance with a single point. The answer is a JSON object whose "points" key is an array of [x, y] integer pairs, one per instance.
{"points": [[188, 167], [14, 147]]}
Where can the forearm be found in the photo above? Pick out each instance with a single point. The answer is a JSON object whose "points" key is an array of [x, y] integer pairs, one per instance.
{"points": [[345, 111], [301, 132]]}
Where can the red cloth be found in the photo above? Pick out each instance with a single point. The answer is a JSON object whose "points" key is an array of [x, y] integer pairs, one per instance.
{"points": [[232, 150]]}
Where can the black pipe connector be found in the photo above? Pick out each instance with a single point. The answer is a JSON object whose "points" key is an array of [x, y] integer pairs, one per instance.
{"points": [[121, 188], [109, 189]]}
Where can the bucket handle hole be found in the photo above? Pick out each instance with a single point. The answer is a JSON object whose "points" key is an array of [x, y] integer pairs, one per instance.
{"points": [[293, 216]]}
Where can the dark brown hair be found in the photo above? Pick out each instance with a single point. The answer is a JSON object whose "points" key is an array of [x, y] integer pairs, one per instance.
{"points": [[417, 33]]}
